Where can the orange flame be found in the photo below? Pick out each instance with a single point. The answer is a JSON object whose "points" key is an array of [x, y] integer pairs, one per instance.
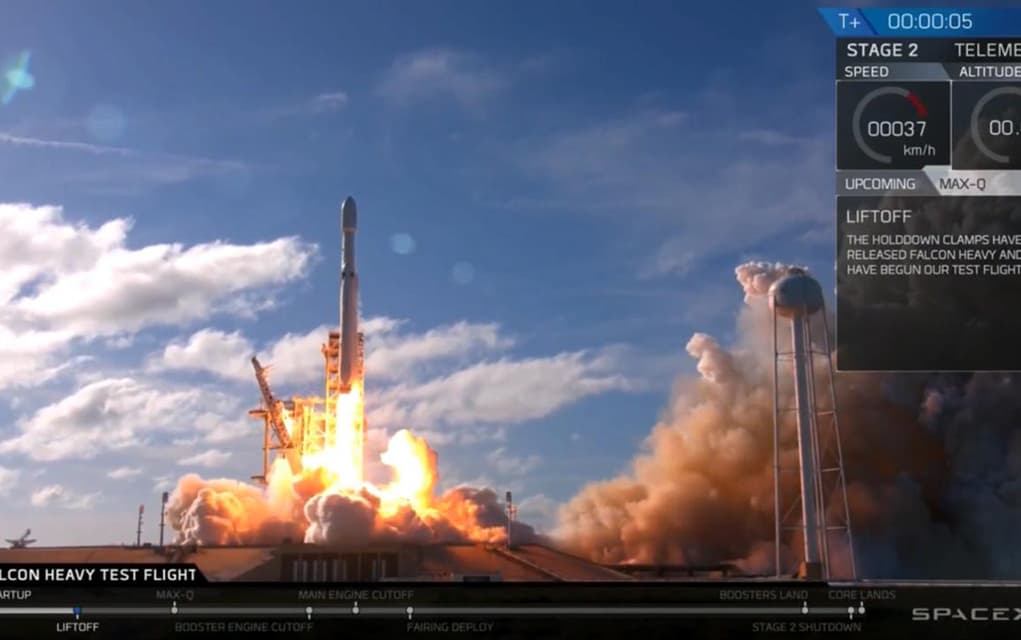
{"points": [[335, 465], [414, 469], [340, 455]]}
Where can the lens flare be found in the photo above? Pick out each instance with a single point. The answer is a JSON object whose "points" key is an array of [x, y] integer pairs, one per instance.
{"points": [[402, 244], [17, 78], [463, 273]]}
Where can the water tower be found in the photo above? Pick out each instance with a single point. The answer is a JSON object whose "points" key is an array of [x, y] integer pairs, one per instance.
{"points": [[811, 511]]}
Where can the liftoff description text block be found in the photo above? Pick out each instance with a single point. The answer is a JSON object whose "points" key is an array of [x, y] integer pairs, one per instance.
{"points": [[928, 201]]}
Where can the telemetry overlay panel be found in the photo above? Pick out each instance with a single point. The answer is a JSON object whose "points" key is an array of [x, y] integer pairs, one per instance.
{"points": [[928, 202]]}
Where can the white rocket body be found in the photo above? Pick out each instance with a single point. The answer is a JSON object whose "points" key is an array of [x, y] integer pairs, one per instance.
{"points": [[348, 297]]}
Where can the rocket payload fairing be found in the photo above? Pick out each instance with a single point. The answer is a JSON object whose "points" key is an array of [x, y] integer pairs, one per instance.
{"points": [[350, 367]]}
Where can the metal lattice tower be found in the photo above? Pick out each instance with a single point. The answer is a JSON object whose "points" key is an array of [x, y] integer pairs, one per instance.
{"points": [[811, 508], [272, 412], [323, 435]]}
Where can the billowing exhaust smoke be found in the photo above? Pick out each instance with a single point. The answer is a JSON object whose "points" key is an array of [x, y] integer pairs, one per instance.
{"points": [[227, 512], [310, 509], [933, 467]]}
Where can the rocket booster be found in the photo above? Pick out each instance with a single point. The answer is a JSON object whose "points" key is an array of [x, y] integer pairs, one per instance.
{"points": [[349, 352]]}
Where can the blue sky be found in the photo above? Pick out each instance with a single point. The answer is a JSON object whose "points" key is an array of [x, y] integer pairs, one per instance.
{"points": [[553, 197]]}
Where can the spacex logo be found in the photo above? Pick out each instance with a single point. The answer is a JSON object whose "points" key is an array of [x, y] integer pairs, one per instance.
{"points": [[974, 614]]}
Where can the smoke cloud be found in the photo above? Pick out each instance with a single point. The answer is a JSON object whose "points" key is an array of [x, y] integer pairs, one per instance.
{"points": [[933, 466], [228, 512]]}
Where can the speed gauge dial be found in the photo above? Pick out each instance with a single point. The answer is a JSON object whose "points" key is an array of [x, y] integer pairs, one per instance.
{"points": [[987, 125], [900, 125]]}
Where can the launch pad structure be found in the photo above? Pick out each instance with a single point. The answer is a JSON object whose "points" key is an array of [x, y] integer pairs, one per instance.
{"points": [[304, 425]]}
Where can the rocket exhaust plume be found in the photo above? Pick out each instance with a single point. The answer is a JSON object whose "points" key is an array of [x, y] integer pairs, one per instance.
{"points": [[933, 466], [316, 489]]}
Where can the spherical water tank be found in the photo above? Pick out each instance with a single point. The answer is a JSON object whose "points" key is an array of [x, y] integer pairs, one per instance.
{"points": [[795, 294]]}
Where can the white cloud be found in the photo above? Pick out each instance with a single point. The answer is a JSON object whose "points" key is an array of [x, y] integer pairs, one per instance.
{"points": [[592, 155], [114, 414], [56, 495], [120, 342], [121, 473], [379, 325], [332, 101], [129, 166], [164, 482], [60, 281], [509, 464], [126, 290], [501, 392], [65, 145], [8, 479], [296, 358], [324, 103], [28, 358], [393, 356], [223, 354], [463, 436], [773, 137], [211, 458], [36, 243], [440, 73], [216, 427]]}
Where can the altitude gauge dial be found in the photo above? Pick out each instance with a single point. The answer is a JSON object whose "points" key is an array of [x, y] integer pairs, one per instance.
{"points": [[991, 136], [892, 126]]}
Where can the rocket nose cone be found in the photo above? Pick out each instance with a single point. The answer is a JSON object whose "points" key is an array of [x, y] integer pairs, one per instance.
{"points": [[349, 214]]}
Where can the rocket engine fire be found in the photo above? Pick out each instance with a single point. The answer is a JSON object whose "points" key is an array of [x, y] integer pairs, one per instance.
{"points": [[316, 489]]}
